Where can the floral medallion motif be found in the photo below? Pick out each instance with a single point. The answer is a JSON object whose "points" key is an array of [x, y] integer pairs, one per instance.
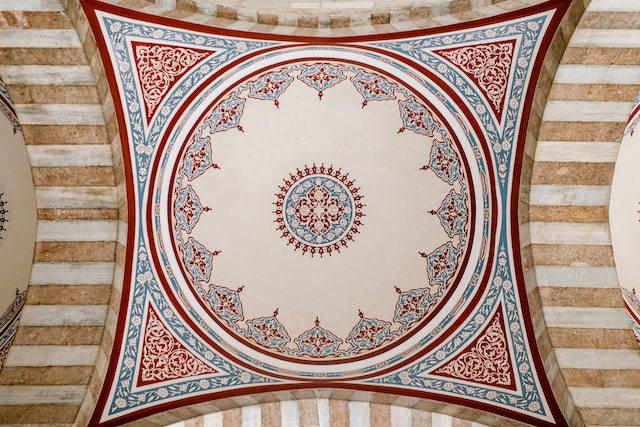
{"points": [[318, 210]]}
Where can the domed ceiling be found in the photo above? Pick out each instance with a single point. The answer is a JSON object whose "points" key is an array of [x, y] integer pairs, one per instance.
{"points": [[324, 213]]}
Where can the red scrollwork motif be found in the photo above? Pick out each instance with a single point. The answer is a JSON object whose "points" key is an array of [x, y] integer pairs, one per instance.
{"points": [[486, 361], [159, 66], [164, 357], [488, 65]]}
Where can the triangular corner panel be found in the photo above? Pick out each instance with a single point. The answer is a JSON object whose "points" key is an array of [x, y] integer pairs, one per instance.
{"points": [[324, 213]]}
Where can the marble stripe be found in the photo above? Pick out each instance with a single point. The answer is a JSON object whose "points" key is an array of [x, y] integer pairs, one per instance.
{"points": [[52, 355], [251, 416], [289, 415], [70, 273], [69, 155], [582, 277], [613, 38], [569, 195], [76, 197], [441, 420], [589, 358], [359, 414], [60, 114], [57, 39], [400, 417], [213, 420], [324, 413], [587, 111], [63, 315], [46, 75], [576, 151], [598, 74], [614, 6], [32, 5], [76, 231], [42, 394], [586, 317], [605, 397], [570, 233]]}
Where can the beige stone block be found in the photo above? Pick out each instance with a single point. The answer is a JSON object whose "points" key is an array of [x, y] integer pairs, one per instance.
{"points": [[308, 413], [73, 176], [73, 294], [572, 254], [38, 414], [610, 19], [380, 415], [575, 213], [341, 21], [59, 335], [45, 375], [63, 214], [267, 18], [74, 251], [594, 92], [592, 338], [339, 412], [232, 418], [581, 131], [581, 297], [611, 416]]}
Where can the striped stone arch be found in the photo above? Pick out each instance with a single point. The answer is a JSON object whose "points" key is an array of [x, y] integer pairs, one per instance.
{"points": [[56, 367]]}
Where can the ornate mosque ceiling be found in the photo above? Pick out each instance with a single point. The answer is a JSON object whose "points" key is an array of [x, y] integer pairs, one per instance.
{"points": [[324, 212]]}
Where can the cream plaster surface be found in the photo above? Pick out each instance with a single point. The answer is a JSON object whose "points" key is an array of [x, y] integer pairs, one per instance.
{"points": [[16, 184]]}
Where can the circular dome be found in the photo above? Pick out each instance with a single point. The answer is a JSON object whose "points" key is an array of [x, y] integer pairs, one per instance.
{"points": [[308, 245]]}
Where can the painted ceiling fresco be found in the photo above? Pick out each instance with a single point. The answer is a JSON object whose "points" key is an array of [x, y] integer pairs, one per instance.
{"points": [[324, 213], [624, 214]]}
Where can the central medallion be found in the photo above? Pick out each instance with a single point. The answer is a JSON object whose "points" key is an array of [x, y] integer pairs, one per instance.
{"points": [[318, 210]]}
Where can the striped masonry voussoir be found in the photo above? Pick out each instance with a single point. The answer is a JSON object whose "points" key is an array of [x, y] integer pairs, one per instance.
{"points": [[70, 155], [577, 151], [41, 394], [570, 195], [570, 233], [608, 38], [63, 315], [76, 230], [60, 114], [72, 273], [586, 317], [35, 75], [15, 38], [103, 197], [32, 5], [52, 355], [598, 358]]}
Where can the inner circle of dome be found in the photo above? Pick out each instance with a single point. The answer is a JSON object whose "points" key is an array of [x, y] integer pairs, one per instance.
{"points": [[245, 326]]}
